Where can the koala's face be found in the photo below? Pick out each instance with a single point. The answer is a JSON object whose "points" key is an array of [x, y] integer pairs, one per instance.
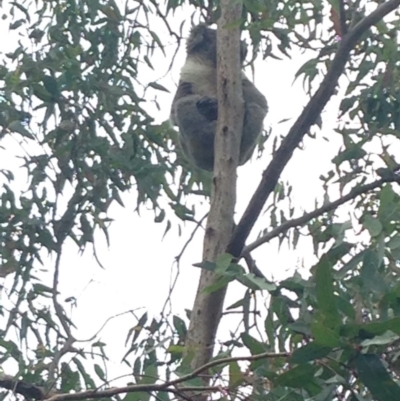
{"points": [[203, 42]]}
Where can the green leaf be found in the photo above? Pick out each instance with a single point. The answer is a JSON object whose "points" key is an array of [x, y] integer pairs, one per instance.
{"points": [[350, 265], [159, 87], [218, 284], [373, 225], [137, 396], [51, 86], [11, 349], [297, 377], [210, 266], [326, 299], [254, 346], [354, 152], [136, 330], [41, 288], [375, 377], [100, 372], [236, 376], [162, 396], [378, 328], [394, 242], [89, 382], [222, 263], [256, 283], [238, 303], [176, 349], [386, 338], [370, 276], [16, 126], [324, 335], [280, 305], [310, 352], [180, 327], [309, 68], [149, 376], [99, 344]]}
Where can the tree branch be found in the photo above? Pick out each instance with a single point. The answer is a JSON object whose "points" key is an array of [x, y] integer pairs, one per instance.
{"points": [[300, 221], [165, 386], [306, 119], [27, 390], [32, 391]]}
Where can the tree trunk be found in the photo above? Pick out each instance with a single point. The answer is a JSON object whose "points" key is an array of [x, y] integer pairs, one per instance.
{"points": [[207, 309]]}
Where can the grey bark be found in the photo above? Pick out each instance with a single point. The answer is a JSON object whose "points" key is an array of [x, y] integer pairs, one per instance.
{"points": [[207, 309]]}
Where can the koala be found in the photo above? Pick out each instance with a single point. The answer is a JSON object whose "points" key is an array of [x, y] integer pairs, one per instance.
{"points": [[195, 106]]}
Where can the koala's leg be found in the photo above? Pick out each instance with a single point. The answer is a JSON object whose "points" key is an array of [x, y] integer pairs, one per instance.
{"points": [[255, 111], [252, 128], [196, 131]]}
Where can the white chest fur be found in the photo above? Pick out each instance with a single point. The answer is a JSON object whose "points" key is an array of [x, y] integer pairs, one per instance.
{"points": [[203, 77]]}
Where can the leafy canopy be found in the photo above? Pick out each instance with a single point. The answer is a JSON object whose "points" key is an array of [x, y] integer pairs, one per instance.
{"points": [[79, 102]]}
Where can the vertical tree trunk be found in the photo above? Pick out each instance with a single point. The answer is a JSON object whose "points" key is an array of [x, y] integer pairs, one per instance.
{"points": [[207, 309]]}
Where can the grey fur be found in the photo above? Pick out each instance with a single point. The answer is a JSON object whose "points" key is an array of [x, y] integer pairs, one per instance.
{"points": [[195, 107]]}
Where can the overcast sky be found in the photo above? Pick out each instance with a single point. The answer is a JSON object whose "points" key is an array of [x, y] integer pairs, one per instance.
{"points": [[139, 263]]}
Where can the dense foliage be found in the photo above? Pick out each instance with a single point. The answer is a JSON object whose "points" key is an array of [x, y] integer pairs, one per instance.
{"points": [[79, 96]]}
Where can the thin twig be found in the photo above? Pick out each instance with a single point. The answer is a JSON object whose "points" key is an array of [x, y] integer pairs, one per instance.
{"points": [[198, 225], [251, 264]]}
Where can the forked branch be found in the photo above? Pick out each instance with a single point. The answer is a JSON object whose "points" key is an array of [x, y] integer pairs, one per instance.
{"points": [[306, 119]]}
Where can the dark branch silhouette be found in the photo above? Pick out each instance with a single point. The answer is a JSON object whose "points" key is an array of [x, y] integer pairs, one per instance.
{"points": [[306, 119], [28, 391]]}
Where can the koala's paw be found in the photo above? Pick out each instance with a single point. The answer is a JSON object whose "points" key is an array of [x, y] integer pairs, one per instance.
{"points": [[208, 107]]}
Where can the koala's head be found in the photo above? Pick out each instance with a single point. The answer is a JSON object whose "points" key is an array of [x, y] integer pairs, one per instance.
{"points": [[202, 42]]}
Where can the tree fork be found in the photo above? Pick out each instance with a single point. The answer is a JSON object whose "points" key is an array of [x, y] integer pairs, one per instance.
{"points": [[207, 309], [299, 129]]}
